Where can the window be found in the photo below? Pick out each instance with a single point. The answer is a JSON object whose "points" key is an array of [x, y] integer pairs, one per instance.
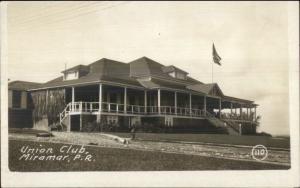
{"points": [[169, 121], [172, 74], [71, 75], [177, 74], [180, 75], [112, 119], [16, 99]]}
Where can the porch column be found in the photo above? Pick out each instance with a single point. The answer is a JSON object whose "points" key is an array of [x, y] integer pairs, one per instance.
{"points": [[255, 113], [100, 97], [158, 100], [73, 98], [220, 107], [80, 122], [145, 101], [241, 111], [98, 118], [247, 113], [230, 108], [190, 105], [125, 100], [204, 107], [69, 126], [175, 102]]}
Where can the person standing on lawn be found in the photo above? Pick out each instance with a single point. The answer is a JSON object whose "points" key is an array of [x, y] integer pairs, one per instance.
{"points": [[133, 132]]}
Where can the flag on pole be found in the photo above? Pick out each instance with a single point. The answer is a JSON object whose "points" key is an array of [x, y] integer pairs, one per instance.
{"points": [[216, 57]]}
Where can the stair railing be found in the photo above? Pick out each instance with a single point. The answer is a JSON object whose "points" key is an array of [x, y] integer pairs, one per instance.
{"points": [[64, 113], [230, 124]]}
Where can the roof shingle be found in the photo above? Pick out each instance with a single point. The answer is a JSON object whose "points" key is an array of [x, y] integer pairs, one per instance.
{"points": [[23, 85]]}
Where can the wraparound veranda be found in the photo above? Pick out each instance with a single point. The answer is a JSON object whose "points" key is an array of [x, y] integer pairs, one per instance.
{"points": [[157, 110]]}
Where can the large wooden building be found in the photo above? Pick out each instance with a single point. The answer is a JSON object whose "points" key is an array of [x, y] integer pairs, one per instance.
{"points": [[141, 93]]}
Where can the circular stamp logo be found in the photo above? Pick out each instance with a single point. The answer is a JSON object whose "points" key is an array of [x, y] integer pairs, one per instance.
{"points": [[259, 152]]}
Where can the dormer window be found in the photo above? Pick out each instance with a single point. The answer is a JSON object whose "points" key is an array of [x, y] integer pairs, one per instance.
{"points": [[172, 74], [75, 72], [71, 75], [175, 72], [180, 75]]}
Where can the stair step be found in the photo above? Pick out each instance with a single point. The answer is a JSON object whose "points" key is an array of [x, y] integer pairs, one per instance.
{"points": [[221, 123]]}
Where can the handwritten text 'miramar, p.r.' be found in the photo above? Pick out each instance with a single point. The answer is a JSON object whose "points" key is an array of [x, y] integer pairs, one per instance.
{"points": [[64, 153]]}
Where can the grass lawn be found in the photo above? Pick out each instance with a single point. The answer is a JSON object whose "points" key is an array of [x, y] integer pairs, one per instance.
{"points": [[278, 142], [110, 159], [26, 131], [213, 138]]}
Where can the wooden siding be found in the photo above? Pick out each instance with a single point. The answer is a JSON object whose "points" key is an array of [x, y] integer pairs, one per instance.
{"points": [[48, 103]]}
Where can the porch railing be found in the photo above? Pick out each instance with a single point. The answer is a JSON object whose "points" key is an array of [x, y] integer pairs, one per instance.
{"points": [[232, 116], [105, 107], [130, 109], [117, 108]]}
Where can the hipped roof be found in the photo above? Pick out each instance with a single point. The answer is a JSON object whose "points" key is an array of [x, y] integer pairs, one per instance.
{"points": [[146, 67], [134, 74], [101, 70], [205, 88], [172, 68], [23, 85], [208, 89]]}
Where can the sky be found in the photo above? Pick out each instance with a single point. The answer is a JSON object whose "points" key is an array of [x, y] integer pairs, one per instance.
{"points": [[250, 37]]}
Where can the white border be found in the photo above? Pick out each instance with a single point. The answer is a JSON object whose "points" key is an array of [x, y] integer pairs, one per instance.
{"points": [[270, 178]]}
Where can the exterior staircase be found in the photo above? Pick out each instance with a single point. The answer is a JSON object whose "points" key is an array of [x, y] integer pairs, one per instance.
{"points": [[230, 127], [64, 117]]}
